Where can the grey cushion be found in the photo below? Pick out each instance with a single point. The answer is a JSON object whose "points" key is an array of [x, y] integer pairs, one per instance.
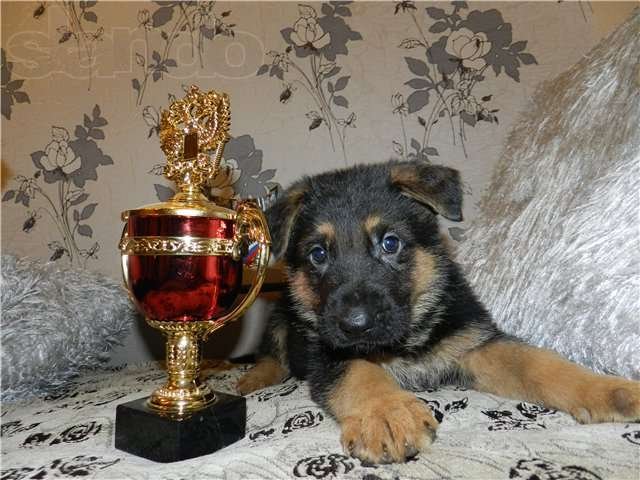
{"points": [[555, 252], [56, 321]]}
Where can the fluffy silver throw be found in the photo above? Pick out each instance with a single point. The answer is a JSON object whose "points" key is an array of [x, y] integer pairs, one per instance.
{"points": [[555, 250], [56, 321]]}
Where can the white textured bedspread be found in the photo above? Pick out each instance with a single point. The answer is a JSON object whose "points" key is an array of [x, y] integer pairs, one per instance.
{"points": [[288, 436]]}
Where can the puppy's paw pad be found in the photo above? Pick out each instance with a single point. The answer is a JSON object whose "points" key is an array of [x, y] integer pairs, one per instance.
{"points": [[391, 428], [609, 400], [627, 400]]}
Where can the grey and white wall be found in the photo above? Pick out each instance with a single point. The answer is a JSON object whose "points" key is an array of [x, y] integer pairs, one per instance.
{"points": [[313, 86]]}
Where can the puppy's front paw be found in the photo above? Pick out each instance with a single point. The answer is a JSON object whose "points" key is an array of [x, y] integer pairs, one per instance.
{"points": [[250, 382], [265, 373], [390, 428], [608, 399]]}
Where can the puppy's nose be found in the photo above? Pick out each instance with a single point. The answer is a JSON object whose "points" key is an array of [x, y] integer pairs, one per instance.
{"points": [[356, 321]]}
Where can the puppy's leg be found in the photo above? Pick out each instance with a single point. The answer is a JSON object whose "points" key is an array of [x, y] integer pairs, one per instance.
{"points": [[381, 422], [516, 370], [267, 371], [272, 357]]}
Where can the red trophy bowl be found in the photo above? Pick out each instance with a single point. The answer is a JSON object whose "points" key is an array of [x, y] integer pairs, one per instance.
{"points": [[183, 288]]}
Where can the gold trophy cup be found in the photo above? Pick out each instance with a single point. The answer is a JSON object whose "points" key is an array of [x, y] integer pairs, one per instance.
{"points": [[182, 262]]}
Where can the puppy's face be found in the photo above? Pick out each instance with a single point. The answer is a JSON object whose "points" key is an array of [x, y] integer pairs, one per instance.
{"points": [[362, 249]]}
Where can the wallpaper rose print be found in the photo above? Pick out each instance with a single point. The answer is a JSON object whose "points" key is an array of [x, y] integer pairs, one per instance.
{"points": [[197, 21], [82, 27], [57, 188], [11, 93], [309, 64], [446, 71]]}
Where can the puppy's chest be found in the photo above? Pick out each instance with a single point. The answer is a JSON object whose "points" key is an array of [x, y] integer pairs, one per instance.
{"points": [[419, 372]]}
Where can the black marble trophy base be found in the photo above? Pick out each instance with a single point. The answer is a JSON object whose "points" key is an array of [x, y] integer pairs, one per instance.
{"points": [[143, 432]]}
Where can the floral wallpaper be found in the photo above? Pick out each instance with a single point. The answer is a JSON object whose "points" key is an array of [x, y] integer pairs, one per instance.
{"points": [[11, 92], [443, 85], [310, 63], [313, 86], [57, 188], [200, 22]]}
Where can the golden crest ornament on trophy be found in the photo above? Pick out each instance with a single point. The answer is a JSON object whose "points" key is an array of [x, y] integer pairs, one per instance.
{"points": [[182, 262]]}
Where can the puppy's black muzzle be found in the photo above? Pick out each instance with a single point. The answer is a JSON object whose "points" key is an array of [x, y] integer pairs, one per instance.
{"points": [[358, 321], [360, 314]]}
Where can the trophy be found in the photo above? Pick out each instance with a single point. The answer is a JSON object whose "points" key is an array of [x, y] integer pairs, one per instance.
{"points": [[182, 262]]}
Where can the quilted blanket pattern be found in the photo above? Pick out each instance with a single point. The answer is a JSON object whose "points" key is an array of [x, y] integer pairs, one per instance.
{"points": [[481, 436]]}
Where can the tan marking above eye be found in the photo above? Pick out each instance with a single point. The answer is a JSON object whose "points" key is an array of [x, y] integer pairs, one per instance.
{"points": [[404, 175], [371, 223], [326, 229]]}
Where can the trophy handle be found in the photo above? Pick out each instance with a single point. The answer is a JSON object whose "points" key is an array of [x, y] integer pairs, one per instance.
{"points": [[251, 226], [124, 259]]}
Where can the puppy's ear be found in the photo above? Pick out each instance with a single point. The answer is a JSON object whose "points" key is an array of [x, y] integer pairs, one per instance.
{"points": [[435, 186], [281, 217]]}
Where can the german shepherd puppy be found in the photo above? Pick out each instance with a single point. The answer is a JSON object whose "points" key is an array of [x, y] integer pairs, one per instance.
{"points": [[376, 308]]}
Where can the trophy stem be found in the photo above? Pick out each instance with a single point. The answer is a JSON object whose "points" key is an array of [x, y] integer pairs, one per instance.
{"points": [[184, 392]]}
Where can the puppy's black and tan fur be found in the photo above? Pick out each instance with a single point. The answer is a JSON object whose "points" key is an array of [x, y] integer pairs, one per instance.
{"points": [[376, 308]]}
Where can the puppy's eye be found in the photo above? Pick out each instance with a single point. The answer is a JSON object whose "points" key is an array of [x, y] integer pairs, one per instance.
{"points": [[390, 243], [318, 255]]}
